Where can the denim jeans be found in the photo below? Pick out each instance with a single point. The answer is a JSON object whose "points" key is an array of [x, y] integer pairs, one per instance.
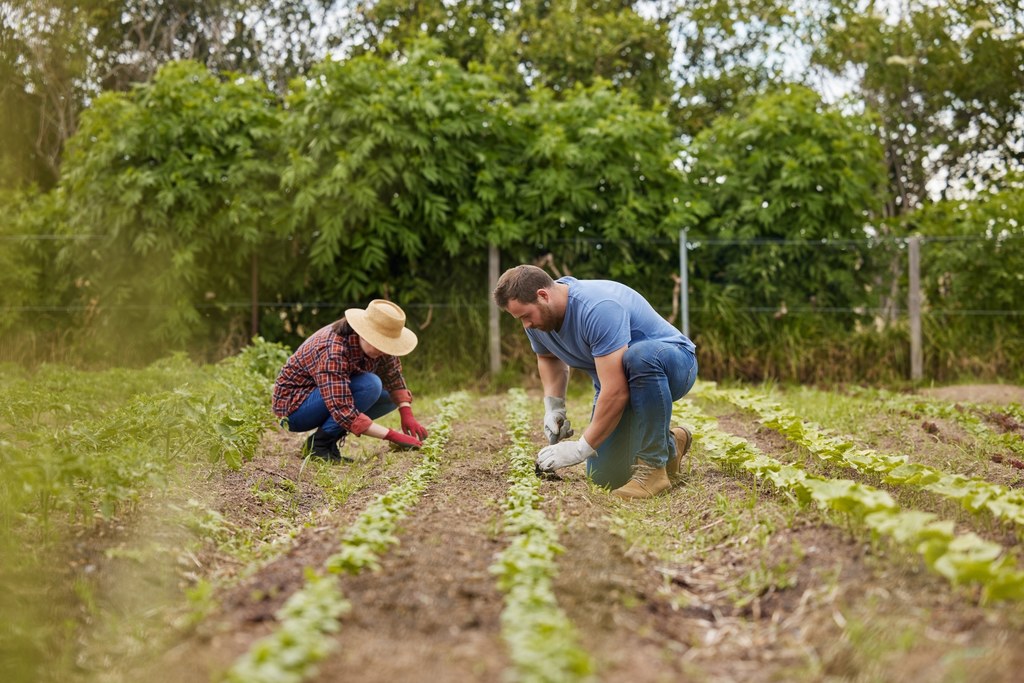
{"points": [[368, 393], [658, 374]]}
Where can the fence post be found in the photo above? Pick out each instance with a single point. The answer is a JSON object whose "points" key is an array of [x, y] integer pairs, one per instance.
{"points": [[254, 293], [914, 306], [684, 285], [493, 260]]}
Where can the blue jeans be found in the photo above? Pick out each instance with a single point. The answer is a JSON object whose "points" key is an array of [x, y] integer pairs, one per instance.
{"points": [[658, 373], [368, 393]]}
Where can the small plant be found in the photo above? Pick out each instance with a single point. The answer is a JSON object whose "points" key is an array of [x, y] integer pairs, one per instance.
{"points": [[961, 558], [541, 640]]}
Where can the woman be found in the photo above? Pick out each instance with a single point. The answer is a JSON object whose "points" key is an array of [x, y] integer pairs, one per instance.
{"points": [[346, 375]]}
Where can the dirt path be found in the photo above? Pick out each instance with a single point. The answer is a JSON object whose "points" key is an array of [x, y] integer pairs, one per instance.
{"points": [[432, 612]]}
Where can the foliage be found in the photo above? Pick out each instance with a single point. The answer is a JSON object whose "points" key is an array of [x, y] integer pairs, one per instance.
{"points": [[982, 268], [394, 167], [174, 180], [945, 79], [787, 168], [553, 45], [541, 640], [963, 559], [406, 170], [599, 187], [728, 51]]}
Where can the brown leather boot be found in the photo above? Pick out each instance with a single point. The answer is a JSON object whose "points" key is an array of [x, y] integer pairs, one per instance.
{"points": [[647, 481], [683, 439]]}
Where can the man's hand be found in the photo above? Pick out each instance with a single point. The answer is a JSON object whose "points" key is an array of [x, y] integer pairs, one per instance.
{"points": [[556, 424], [564, 454]]}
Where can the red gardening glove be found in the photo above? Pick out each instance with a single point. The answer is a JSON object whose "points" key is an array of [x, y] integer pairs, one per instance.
{"points": [[410, 425], [403, 441]]}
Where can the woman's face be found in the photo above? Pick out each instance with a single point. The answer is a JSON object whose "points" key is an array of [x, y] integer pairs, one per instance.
{"points": [[369, 349]]}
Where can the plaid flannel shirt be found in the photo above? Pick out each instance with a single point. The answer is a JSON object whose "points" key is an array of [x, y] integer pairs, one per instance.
{"points": [[326, 361]]}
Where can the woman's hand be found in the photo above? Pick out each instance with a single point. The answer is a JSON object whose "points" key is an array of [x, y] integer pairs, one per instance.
{"points": [[410, 425], [404, 441]]}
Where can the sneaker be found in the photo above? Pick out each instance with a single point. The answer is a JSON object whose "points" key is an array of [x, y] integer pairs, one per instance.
{"points": [[647, 481], [684, 439]]}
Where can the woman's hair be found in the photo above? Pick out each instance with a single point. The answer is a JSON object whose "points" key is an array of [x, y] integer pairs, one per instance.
{"points": [[521, 283], [341, 327]]}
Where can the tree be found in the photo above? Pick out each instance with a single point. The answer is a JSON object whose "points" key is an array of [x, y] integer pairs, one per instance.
{"points": [[945, 78], [787, 168], [728, 51], [57, 57], [176, 180], [600, 186], [554, 44], [394, 167]]}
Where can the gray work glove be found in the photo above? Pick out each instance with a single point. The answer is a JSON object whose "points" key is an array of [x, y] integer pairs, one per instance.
{"points": [[564, 454], [556, 424]]}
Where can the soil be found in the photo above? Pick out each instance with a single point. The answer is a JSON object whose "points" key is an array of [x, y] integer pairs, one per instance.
{"points": [[432, 612], [978, 393]]}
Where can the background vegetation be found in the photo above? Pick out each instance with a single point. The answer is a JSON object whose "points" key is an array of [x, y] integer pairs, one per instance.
{"points": [[166, 165]]}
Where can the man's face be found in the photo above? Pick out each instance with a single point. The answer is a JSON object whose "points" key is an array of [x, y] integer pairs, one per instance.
{"points": [[540, 315]]}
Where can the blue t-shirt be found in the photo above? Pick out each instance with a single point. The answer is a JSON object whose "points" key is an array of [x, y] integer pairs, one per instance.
{"points": [[602, 316]]}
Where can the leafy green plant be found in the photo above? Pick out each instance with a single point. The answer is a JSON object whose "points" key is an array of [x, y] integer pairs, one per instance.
{"points": [[973, 494], [961, 558], [541, 640], [310, 615]]}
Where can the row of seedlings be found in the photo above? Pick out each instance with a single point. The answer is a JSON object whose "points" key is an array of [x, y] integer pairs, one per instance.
{"points": [[975, 495], [541, 640], [963, 559], [310, 616], [94, 447], [971, 417]]}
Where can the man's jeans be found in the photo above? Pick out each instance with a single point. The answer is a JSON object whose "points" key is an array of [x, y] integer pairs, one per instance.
{"points": [[658, 373], [368, 393]]}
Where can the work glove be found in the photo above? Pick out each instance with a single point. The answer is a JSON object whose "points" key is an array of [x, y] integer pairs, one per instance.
{"points": [[564, 454], [410, 425], [403, 441], [556, 424]]}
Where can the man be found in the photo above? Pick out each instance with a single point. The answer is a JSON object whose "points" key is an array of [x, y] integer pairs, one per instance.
{"points": [[639, 364]]}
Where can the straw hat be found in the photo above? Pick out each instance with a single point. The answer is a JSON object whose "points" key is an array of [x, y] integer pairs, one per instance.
{"points": [[383, 325]]}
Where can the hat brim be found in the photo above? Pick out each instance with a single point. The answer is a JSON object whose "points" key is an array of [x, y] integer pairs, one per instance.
{"points": [[404, 343]]}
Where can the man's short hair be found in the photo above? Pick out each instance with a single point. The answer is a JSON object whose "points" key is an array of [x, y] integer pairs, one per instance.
{"points": [[521, 283]]}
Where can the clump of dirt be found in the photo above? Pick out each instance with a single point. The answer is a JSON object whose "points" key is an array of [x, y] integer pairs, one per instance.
{"points": [[1004, 422]]}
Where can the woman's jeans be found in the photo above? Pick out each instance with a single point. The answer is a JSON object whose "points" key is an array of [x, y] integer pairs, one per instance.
{"points": [[658, 373], [368, 394]]}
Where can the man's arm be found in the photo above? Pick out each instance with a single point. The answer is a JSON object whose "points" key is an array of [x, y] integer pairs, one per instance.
{"points": [[611, 401], [554, 375]]}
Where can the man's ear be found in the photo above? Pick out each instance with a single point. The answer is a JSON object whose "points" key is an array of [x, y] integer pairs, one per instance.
{"points": [[544, 295]]}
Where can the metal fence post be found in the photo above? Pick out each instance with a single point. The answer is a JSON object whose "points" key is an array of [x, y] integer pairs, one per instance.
{"points": [[684, 285], [914, 307], [494, 324]]}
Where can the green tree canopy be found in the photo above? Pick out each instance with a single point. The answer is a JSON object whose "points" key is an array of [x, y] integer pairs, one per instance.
{"points": [[176, 180], [394, 165], [787, 168], [945, 78]]}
